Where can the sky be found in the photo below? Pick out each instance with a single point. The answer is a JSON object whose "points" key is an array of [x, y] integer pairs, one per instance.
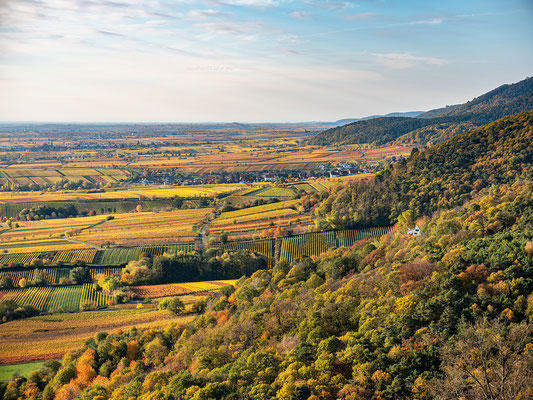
{"points": [[254, 60]]}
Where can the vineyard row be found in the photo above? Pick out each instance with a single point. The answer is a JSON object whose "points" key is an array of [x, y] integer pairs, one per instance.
{"points": [[61, 298]]}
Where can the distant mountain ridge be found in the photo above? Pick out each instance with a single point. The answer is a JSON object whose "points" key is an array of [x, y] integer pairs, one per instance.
{"points": [[437, 125], [410, 114]]}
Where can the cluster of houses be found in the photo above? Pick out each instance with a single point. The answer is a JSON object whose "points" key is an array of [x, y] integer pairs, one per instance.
{"points": [[341, 169]]}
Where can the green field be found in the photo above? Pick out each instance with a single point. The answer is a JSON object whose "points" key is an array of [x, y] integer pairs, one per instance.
{"points": [[25, 369]]}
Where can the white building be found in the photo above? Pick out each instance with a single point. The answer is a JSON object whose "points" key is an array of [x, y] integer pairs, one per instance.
{"points": [[415, 231]]}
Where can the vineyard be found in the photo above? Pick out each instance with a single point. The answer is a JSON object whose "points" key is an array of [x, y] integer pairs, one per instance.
{"points": [[111, 256], [21, 258], [48, 299], [51, 336], [315, 243], [264, 246], [70, 298], [126, 229], [273, 192], [45, 234], [123, 255], [230, 215], [73, 256], [28, 176], [109, 271], [133, 193], [349, 237], [53, 276], [307, 245], [291, 247]]}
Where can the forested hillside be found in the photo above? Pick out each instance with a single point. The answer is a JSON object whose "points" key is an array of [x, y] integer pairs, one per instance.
{"points": [[504, 100], [436, 125], [443, 176]]}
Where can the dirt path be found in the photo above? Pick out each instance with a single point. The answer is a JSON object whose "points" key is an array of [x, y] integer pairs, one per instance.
{"points": [[81, 242], [203, 232], [86, 243]]}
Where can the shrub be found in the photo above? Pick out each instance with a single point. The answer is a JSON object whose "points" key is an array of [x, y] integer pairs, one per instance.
{"points": [[88, 305], [9, 310], [6, 282], [80, 275], [173, 304]]}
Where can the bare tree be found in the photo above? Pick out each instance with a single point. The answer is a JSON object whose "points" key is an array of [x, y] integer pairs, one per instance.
{"points": [[488, 361]]}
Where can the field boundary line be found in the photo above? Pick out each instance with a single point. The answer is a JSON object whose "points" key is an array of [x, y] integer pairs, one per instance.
{"points": [[82, 242]]}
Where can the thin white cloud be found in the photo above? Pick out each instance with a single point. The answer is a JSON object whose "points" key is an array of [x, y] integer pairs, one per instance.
{"points": [[251, 3], [332, 4], [205, 14], [301, 14], [431, 21], [406, 60], [359, 16], [245, 31]]}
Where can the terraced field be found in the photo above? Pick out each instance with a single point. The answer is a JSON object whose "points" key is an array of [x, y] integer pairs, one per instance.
{"points": [[146, 228], [178, 289], [250, 222]]}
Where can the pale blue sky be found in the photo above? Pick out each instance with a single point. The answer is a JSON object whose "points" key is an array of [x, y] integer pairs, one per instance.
{"points": [[253, 60]]}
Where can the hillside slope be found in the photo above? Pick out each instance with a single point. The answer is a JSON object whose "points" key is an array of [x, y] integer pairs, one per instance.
{"points": [[443, 176], [436, 125]]}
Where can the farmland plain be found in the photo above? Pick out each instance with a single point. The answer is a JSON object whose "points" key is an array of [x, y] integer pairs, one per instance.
{"points": [[112, 201]]}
